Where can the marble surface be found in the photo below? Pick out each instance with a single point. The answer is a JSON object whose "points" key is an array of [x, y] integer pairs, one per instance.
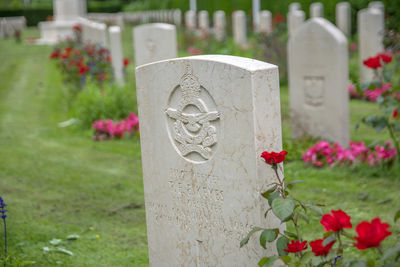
{"points": [[239, 27], [204, 123], [370, 23], [316, 10], [154, 42], [343, 17], [318, 80]]}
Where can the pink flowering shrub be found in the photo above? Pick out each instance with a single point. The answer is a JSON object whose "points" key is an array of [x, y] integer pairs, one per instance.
{"points": [[109, 129], [325, 154], [369, 94]]}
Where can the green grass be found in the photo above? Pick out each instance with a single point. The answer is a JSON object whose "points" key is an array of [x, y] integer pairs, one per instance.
{"points": [[58, 182]]}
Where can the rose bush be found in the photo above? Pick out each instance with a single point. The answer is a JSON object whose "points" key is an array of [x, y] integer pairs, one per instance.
{"points": [[336, 247]]}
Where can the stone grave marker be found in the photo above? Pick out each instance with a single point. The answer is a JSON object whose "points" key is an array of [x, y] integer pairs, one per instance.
{"points": [[190, 20], [316, 10], [256, 7], [239, 27], [219, 25], [318, 80], [204, 21], [116, 54], [205, 121], [377, 4], [295, 19], [294, 6], [370, 38], [343, 17], [265, 25], [154, 42]]}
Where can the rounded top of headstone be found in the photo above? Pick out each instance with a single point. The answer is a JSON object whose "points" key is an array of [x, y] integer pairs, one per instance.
{"points": [[371, 11], [265, 12], [320, 26], [164, 26], [248, 64], [114, 29]]}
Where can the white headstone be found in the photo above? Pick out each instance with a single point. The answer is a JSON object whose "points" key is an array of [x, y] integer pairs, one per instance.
{"points": [[190, 20], [256, 14], [318, 80], [294, 6], [239, 27], [204, 122], [219, 25], [265, 25], [204, 21], [294, 20], [193, 5], [316, 10], [343, 17], [370, 38], [377, 4], [65, 10], [116, 54], [177, 15], [154, 42]]}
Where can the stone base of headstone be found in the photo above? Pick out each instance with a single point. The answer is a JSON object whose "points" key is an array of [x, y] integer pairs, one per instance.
{"points": [[53, 32]]}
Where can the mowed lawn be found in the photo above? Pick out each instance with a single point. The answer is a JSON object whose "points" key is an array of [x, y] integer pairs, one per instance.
{"points": [[58, 182]]}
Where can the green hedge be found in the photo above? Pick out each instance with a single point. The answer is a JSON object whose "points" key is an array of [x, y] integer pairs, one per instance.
{"points": [[36, 15]]}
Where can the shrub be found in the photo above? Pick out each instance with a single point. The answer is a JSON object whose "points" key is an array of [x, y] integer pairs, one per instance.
{"points": [[110, 102]]}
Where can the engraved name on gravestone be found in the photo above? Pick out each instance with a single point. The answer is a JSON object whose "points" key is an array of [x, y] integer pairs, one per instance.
{"points": [[204, 122], [318, 79], [154, 42]]}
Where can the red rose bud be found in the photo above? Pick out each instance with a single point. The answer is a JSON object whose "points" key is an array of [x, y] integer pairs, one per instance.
{"points": [[126, 62], [55, 54], [296, 246], [370, 235], [385, 57], [373, 62], [318, 249], [394, 115], [68, 49], [273, 157], [336, 221]]}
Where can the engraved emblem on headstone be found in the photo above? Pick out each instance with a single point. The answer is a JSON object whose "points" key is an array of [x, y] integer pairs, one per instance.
{"points": [[194, 116], [150, 45], [314, 90]]}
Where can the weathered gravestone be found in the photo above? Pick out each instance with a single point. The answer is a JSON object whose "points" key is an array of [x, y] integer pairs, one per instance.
{"points": [[318, 80], [343, 17], [256, 6], [265, 25], [190, 20], [204, 21], [295, 19], [116, 54], [154, 42], [316, 10], [219, 25], [239, 27], [294, 6], [370, 39], [377, 4], [204, 122]]}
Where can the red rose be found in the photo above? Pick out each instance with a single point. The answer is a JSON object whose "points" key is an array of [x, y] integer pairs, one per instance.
{"points": [[278, 18], [64, 55], [337, 221], [83, 69], [318, 249], [373, 62], [68, 49], [273, 157], [371, 234], [55, 54], [77, 28], [385, 57], [296, 246], [126, 62], [108, 58], [394, 115]]}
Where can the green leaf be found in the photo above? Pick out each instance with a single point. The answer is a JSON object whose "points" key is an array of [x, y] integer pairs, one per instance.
{"points": [[265, 262], [328, 240], [304, 217], [364, 86], [286, 259], [281, 244], [377, 122], [306, 257], [397, 216], [390, 252], [292, 235], [269, 191], [246, 239], [268, 235], [283, 208], [348, 235], [317, 210], [272, 196]]}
